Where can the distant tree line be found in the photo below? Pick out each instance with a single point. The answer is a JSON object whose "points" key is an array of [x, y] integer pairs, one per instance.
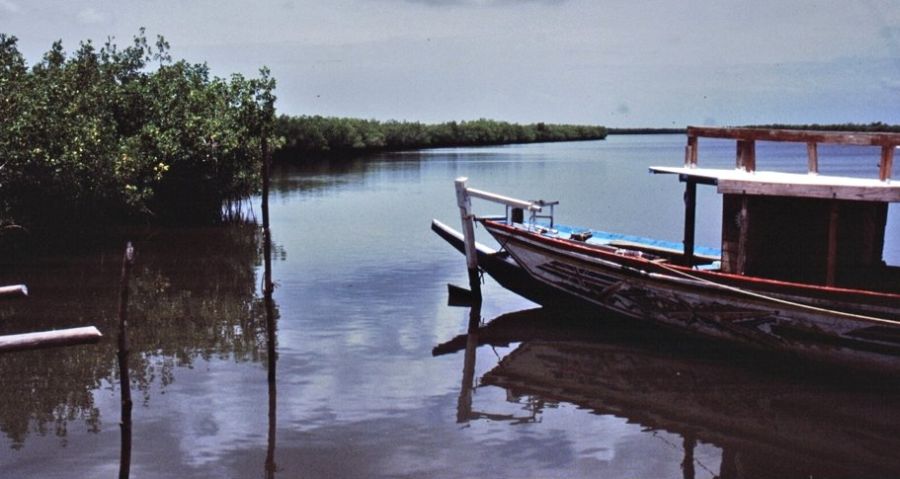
{"points": [[330, 135], [646, 131], [111, 134]]}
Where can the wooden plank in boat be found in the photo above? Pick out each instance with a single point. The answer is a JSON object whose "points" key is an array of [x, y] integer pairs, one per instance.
{"points": [[659, 249]]}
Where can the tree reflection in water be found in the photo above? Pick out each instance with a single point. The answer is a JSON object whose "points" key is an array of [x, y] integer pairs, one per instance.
{"points": [[194, 294]]}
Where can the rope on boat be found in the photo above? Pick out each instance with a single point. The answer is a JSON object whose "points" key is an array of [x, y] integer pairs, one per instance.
{"points": [[779, 300]]}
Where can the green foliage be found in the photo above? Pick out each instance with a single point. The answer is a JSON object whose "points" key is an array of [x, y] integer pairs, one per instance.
{"points": [[317, 134], [99, 135]]}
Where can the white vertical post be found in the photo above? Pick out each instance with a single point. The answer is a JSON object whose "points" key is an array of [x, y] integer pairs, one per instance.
{"points": [[468, 227]]}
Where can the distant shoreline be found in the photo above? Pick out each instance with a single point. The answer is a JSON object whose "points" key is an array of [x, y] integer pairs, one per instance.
{"points": [[645, 131], [333, 136]]}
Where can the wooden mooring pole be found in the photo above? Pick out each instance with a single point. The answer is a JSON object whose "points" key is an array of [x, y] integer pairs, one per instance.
{"points": [[468, 226], [124, 380], [271, 333]]}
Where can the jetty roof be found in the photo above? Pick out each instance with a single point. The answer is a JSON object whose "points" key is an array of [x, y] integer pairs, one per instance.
{"points": [[771, 183]]}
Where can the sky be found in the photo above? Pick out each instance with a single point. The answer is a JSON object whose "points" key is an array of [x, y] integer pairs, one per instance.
{"points": [[619, 63]]}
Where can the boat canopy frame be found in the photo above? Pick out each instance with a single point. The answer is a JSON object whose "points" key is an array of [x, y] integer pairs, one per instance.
{"points": [[841, 195]]}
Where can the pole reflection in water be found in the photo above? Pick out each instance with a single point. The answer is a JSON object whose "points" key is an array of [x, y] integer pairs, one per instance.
{"points": [[124, 377], [271, 336], [464, 410], [273, 394], [768, 418], [464, 407]]}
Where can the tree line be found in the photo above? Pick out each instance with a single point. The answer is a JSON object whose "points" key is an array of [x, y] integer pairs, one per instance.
{"points": [[646, 131], [330, 135], [115, 133]]}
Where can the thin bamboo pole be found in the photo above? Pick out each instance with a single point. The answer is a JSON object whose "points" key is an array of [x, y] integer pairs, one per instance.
{"points": [[124, 379], [271, 336]]}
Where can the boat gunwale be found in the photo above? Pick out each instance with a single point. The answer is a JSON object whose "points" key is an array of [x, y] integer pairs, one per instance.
{"points": [[730, 278]]}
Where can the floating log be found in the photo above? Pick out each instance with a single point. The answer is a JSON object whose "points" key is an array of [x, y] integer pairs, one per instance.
{"points": [[13, 291], [49, 339]]}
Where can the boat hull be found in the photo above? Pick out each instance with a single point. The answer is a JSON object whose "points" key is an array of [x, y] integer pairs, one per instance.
{"points": [[858, 333]]}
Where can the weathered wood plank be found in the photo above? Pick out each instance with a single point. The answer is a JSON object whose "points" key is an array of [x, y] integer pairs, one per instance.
{"points": [[789, 184], [13, 291], [691, 152], [804, 136], [887, 163], [764, 188], [48, 339], [812, 152]]}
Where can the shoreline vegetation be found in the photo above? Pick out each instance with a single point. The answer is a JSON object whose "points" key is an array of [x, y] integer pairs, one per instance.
{"points": [[324, 136], [116, 136], [646, 131], [112, 136]]}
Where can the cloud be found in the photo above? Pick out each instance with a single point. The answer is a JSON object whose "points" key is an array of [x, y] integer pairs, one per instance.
{"points": [[9, 6], [891, 84], [483, 3], [90, 16]]}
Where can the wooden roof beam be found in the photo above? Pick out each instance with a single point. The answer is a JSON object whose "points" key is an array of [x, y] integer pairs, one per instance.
{"points": [[803, 136]]}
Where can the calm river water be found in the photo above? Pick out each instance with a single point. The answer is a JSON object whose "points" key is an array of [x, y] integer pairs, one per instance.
{"points": [[375, 374]]}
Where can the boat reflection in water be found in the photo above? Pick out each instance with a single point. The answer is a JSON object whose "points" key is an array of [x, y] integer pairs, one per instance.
{"points": [[769, 418]]}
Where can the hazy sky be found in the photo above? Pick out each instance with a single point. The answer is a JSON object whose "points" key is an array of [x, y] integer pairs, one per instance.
{"points": [[610, 62]]}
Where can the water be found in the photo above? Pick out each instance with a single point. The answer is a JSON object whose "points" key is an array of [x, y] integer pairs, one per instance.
{"points": [[361, 299]]}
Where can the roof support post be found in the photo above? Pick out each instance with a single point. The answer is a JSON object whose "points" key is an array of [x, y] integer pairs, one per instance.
{"points": [[690, 215], [690, 152], [746, 155], [887, 162], [813, 153], [743, 235], [831, 264]]}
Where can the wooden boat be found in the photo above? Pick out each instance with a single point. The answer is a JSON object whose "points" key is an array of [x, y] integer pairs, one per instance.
{"points": [[799, 269]]}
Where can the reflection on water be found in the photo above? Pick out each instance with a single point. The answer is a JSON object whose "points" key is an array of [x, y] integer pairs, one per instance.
{"points": [[766, 418], [361, 302], [176, 315]]}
